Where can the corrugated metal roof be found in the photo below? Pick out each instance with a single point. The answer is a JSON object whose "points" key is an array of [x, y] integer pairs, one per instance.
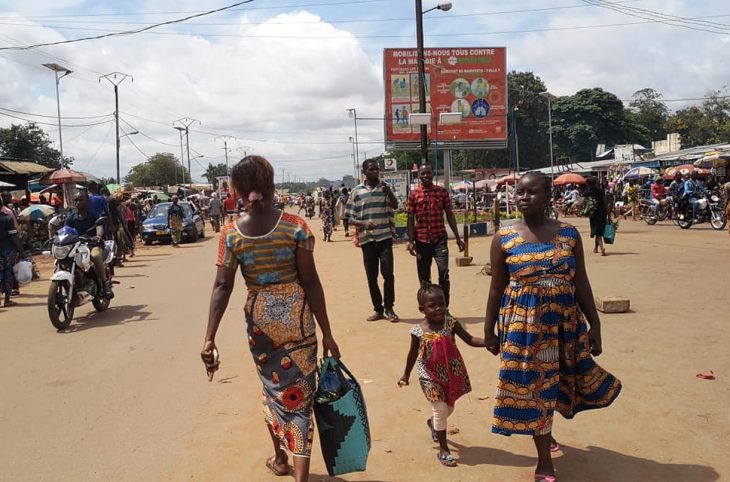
{"points": [[22, 167]]}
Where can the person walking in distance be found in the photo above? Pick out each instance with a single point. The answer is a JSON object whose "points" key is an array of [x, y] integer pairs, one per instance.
{"points": [[370, 209], [175, 218], [214, 211], [427, 239]]}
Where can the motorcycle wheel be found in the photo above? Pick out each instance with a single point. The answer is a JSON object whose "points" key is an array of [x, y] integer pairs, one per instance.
{"points": [[684, 223], [100, 304], [718, 220], [60, 304], [650, 220]]}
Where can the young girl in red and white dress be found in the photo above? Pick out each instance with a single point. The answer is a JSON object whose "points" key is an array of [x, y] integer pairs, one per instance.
{"points": [[440, 367]]}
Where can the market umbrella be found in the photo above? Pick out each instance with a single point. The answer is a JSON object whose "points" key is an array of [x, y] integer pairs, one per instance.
{"points": [[484, 183], [63, 176], [37, 211], [638, 172], [712, 159], [685, 170], [6, 184], [569, 178], [463, 186], [510, 179], [114, 187]]}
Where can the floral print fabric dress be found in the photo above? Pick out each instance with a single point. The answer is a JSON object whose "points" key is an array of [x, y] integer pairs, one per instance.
{"points": [[545, 363], [280, 324], [440, 367]]}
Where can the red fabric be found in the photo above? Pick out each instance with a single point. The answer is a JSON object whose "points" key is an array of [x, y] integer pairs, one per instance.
{"points": [[428, 206], [445, 358], [230, 204]]}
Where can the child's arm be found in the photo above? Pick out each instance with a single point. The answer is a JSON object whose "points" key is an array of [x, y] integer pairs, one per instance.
{"points": [[410, 361], [470, 340]]}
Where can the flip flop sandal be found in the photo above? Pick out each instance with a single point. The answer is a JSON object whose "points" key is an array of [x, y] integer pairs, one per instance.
{"points": [[8, 304], [271, 465], [447, 460], [434, 437], [555, 447], [703, 375], [545, 478]]}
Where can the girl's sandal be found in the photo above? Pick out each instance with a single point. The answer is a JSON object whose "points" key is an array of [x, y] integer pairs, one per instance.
{"points": [[434, 437], [545, 478], [447, 460], [275, 468], [555, 446]]}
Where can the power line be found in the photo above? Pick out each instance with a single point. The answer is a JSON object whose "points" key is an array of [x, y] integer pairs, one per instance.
{"points": [[55, 124], [127, 32], [661, 14], [53, 116], [330, 21], [279, 7]]}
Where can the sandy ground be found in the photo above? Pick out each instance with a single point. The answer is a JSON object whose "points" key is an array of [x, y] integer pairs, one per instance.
{"points": [[122, 395]]}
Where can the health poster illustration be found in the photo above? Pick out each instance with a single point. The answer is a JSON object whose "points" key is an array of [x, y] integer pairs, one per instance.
{"points": [[472, 81]]}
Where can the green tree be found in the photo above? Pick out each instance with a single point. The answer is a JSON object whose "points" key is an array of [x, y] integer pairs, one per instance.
{"points": [[649, 112], [531, 119], [161, 169], [708, 123], [31, 143], [590, 117], [213, 171]]}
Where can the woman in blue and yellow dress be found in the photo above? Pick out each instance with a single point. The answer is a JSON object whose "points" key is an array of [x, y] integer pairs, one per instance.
{"points": [[274, 252], [539, 300]]}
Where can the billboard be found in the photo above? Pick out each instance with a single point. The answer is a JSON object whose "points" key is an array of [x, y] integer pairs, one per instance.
{"points": [[472, 81]]}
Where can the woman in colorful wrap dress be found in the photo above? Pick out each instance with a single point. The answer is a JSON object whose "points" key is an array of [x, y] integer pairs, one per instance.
{"points": [[539, 300], [274, 252]]}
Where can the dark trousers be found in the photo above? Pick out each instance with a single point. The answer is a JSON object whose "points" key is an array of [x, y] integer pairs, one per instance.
{"points": [[379, 255], [427, 253]]}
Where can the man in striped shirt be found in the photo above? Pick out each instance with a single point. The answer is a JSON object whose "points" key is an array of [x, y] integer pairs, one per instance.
{"points": [[370, 208]]}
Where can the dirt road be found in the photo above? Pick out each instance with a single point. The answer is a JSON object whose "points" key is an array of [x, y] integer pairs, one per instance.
{"points": [[122, 395]]}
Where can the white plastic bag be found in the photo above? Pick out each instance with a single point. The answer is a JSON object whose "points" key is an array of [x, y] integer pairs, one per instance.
{"points": [[23, 271]]}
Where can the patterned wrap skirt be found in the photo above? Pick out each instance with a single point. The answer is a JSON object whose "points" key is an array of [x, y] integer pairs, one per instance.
{"points": [[7, 278], [281, 335]]}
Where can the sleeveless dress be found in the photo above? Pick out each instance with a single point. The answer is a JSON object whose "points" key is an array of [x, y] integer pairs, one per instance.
{"points": [[280, 324], [545, 363], [441, 370]]}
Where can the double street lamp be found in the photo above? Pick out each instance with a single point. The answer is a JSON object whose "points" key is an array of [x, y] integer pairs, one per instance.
{"points": [[445, 6], [56, 69]]}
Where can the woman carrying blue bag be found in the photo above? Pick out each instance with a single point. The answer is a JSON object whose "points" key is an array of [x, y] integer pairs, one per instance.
{"points": [[274, 252]]}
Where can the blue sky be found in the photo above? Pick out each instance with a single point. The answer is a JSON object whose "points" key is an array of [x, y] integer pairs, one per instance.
{"points": [[278, 75]]}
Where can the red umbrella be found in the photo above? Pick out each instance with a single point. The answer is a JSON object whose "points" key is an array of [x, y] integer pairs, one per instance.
{"points": [[569, 178], [63, 176], [685, 170], [510, 179]]}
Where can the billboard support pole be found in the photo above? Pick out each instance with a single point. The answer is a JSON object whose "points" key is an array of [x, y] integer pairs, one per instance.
{"points": [[421, 79]]}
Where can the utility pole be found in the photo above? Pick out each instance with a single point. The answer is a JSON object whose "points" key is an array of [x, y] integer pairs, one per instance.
{"points": [[185, 123], [421, 79], [353, 113], [225, 140], [116, 78], [56, 69]]}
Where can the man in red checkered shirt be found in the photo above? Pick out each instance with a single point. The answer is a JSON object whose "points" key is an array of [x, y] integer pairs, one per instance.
{"points": [[427, 239]]}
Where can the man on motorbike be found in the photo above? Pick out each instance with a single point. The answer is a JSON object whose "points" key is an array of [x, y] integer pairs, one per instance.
{"points": [[693, 191], [658, 192], [83, 220]]}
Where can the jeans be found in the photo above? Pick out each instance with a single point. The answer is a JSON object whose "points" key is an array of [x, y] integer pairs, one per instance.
{"points": [[694, 203], [437, 251], [379, 255]]}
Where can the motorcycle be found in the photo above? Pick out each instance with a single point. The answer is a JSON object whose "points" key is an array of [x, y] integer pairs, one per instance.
{"points": [[663, 211], [708, 210], [74, 281]]}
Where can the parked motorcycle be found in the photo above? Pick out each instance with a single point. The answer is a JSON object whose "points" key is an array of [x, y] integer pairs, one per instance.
{"points": [[708, 210], [74, 281]]}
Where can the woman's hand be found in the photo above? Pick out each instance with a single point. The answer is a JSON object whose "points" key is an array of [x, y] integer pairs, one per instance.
{"points": [[594, 342], [403, 382], [329, 346], [207, 353], [491, 343]]}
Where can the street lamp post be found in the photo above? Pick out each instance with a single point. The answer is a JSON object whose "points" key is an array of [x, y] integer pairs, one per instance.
{"points": [[446, 6], [56, 69], [186, 122], [354, 162], [550, 98], [353, 113], [116, 78]]}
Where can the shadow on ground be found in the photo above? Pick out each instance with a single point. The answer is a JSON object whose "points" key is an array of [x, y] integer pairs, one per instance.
{"points": [[115, 315]]}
